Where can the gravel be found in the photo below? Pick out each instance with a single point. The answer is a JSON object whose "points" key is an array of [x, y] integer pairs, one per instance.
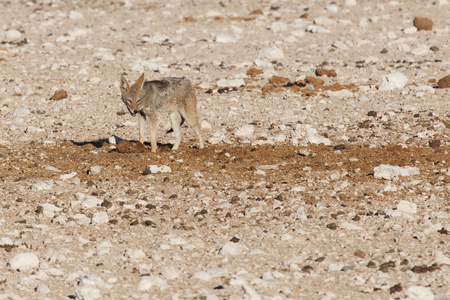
{"points": [[309, 186]]}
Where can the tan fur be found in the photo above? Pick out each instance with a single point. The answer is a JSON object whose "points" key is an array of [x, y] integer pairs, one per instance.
{"points": [[172, 95]]}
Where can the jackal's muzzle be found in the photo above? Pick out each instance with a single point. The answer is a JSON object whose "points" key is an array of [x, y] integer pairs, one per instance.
{"points": [[132, 113]]}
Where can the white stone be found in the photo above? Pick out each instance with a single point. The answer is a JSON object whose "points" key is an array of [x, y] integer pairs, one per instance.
{"points": [[305, 133], [392, 81], [350, 2], [153, 169], [170, 273], [231, 249], [100, 217], [202, 275], [421, 50], [440, 258], [42, 288], [78, 32], [32, 129], [224, 38], [24, 262], [340, 45], [389, 172], [50, 209], [91, 202], [417, 292], [95, 170], [68, 176], [332, 8], [278, 26], [20, 112], [134, 254], [81, 219], [335, 267], [104, 55], [114, 139], [432, 228], [272, 53], [300, 214], [148, 282], [4, 241], [335, 175], [407, 207], [156, 39], [341, 94], [347, 225], [12, 34], [216, 138], [75, 15], [388, 187], [316, 29], [39, 186], [205, 125], [324, 20], [87, 292], [178, 241], [410, 30], [246, 131], [218, 272], [140, 65], [231, 82]]}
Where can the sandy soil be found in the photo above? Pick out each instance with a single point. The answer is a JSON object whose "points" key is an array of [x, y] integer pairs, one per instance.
{"points": [[284, 202]]}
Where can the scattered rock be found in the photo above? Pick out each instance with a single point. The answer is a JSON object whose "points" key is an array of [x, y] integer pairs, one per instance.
{"points": [[417, 292], [126, 146], [154, 169], [246, 131], [392, 81], [253, 72], [59, 95], [272, 53], [232, 249], [39, 186], [304, 134], [329, 73], [12, 34], [224, 38], [231, 83], [423, 23], [87, 292], [332, 226], [316, 82], [20, 112], [75, 15], [407, 207], [444, 82], [94, 170], [24, 262], [278, 80], [389, 172], [360, 254], [341, 94], [396, 288]]}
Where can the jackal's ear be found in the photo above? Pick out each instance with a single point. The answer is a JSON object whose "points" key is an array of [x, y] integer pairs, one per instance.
{"points": [[124, 86], [139, 82]]}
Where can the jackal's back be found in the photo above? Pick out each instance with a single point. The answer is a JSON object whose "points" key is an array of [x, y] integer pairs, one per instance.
{"points": [[170, 91]]}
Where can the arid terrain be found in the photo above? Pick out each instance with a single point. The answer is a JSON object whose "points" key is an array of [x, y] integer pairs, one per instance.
{"points": [[326, 169]]}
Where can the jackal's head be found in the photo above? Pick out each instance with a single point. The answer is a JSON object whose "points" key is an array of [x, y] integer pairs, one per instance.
{"points": [[132, 95]]}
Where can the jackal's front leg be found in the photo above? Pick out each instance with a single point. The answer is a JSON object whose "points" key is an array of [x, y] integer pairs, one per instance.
{"points": [[141, 128], [153, 127]]}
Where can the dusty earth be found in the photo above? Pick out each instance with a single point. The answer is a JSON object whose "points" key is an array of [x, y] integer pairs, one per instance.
{"points": [[282, 203]]}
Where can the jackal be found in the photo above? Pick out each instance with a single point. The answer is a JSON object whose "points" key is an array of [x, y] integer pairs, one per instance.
{"points": [[172, 95]]}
